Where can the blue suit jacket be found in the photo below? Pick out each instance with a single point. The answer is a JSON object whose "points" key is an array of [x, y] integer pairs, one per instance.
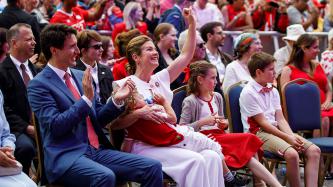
{"points": [[175, 17], [62, 120]]}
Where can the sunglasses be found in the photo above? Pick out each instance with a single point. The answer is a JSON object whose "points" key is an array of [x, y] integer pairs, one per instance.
{"points": [[96, 46], [201, 45]]}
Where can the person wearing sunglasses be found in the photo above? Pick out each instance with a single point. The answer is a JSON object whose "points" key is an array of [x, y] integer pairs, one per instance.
{"points": [[90, 44]]}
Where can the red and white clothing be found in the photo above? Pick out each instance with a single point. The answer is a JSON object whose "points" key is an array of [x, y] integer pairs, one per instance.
{"points": [[76, 19], [254, 101], [188, 168], [327, 63]]}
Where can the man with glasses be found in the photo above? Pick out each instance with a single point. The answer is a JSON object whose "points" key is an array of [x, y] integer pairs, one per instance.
{"points": [[90, 44], [212, 34], [305, 13]]}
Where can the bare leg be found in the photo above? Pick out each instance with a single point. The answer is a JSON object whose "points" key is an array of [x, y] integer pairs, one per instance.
{"points": [[292, 158], [325, 126], [312, 155], [261, 172]]}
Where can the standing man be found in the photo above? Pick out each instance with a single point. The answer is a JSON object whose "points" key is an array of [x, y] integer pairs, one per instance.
{"points": [[301, 13], [71, 119], [212, 34], [14, 13], [15, 73], [90, 46]]}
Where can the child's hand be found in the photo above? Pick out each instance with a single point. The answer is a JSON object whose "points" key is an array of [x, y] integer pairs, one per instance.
{"points": [[159, 99], [296, 142], [222, 124]]}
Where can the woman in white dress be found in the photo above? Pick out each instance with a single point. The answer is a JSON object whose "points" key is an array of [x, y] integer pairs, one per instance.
{"points": [[186, 167], [245, 45]]}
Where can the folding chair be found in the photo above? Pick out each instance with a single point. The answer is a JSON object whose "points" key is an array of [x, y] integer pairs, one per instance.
{"points": [[179, 95], [301, 104], [232, 95]]}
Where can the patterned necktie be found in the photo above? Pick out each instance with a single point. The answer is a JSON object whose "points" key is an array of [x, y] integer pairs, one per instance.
{"points": [[25, 75], [93, 139], [266, 89]]}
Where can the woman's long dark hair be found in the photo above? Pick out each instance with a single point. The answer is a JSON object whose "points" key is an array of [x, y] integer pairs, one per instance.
{"points": [[297, 53]]}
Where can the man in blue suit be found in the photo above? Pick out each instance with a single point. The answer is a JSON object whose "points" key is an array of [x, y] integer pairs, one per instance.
{"points": [[76, 152]]}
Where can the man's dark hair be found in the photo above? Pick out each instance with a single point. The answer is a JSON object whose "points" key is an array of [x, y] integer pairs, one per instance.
{"points": [[209, 28], [259, 61], [54, 35], [11, 2]]}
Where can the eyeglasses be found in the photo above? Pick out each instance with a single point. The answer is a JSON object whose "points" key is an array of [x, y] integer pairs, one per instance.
{"points": [[96, 46], [201, 45], [219, 33]]}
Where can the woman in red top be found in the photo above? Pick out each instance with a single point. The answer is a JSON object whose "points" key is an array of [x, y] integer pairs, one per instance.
{"points": [[236, 17], [133, 15], [303, 64]]}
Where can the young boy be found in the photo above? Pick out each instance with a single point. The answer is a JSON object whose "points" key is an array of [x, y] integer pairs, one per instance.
{"points": [[262, 115]]}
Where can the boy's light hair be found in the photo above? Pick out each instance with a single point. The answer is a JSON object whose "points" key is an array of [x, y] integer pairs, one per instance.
{"points": [[260, 61]]}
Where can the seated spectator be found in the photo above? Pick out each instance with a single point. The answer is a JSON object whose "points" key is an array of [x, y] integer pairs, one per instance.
{"points": [[202, 168], [14, 13], [245, 46], [212, 34], [31, 6], [90, 44], [47, 9], [328, 19], [4, 47], [203, 111], [108, 50], [282, 55], [236, 16], [165, 36], [16, 71], [11, 174], [151, 9], [119, 70], [270, 16], [326, 61], [174, 15], [70, 14], [133, 16], [303, 64], [301, 13], [262, 115], [76, 152], [206, 12]]}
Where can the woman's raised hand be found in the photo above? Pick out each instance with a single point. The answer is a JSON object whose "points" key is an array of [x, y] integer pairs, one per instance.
{"points": [[189, 16]]}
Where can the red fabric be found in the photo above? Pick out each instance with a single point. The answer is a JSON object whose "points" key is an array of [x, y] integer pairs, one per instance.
{"points": [[260, 17], [119, 69], [92, 136], [187, 74], [76, 20], [254, 127], [121, 27], [319, 77], [232, 13], [154, 134], [237, 148]]}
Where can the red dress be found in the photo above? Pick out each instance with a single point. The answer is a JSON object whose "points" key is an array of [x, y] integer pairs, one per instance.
{"points": [[237, 148], [119, 69], [318, 77]]}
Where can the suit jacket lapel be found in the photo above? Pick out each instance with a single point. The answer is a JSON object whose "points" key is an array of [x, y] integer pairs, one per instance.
{"points": [[14, 73], [57, 82]]}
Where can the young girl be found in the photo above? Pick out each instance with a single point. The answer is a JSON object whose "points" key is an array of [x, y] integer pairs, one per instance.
{"points": [[169, 133], [203, 110]]}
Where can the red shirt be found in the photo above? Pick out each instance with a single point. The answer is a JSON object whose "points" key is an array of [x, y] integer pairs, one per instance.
{"points": [[232, 13], [76, 19], [121, 27], [119, 69]]}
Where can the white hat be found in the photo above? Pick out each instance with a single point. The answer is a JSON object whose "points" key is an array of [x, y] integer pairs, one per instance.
{"points": [[330, 35], [293, 32]]}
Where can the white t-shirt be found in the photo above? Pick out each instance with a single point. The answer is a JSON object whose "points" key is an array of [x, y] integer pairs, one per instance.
{"points": [[209, 14], [282, 56], [159, 83], [252, 102], [234, 73]]}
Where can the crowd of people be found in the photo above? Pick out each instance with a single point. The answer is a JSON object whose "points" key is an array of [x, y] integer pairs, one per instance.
{"points": [[97, 78]]}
